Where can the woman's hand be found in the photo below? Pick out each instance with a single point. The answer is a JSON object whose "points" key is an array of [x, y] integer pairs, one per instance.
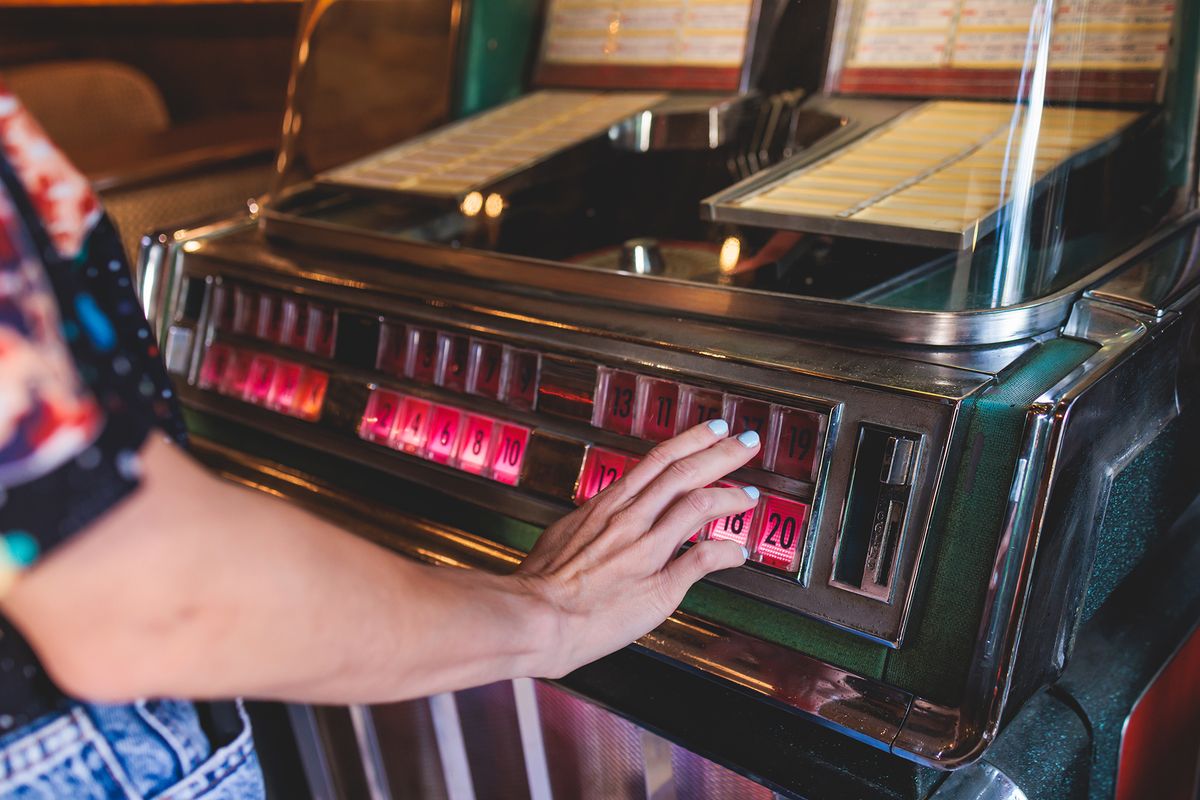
{"points": [[611, 570]]}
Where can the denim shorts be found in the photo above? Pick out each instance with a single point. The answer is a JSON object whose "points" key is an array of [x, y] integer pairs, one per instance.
{"points": [[151, 748]]}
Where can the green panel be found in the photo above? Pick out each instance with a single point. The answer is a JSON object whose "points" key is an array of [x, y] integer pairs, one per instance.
{"points": [[958, 560], [497, 49]]}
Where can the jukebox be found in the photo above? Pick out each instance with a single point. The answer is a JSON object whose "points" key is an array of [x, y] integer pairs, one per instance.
{"points": [[942, 256]]}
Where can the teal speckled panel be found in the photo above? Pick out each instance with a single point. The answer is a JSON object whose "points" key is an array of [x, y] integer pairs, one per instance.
{"points": [[496, 52], [934, 658]]}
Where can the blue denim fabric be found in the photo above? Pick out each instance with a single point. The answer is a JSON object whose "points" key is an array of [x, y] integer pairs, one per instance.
{"points": [[148, 749]]}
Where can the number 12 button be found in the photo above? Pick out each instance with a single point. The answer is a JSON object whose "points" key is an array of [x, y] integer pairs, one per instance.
{"points": [[781, 533]]}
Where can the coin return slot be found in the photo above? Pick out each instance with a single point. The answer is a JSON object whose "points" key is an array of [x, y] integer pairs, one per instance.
{"points": [[876, 509]]}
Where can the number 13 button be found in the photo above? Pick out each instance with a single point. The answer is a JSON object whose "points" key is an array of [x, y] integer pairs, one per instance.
{"points": [[781, 534]]}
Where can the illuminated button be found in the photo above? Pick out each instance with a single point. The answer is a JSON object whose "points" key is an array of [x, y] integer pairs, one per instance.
{"points": [[259, 380], [484, 369], [233, 381], [520, 380], [453, 352], [320, 330], [222, 307], [601, 469], [735, 527], [744, 414], [410, 435], [268, 324], [245, 311], [383, 408], [392, 355], [510, 453], [780, 538], [658, 406], [213, 367], [422, 354], [797, 438], [311, 397], [697, 406], [444, 423], [616, 392], [284, 386], [475, 446]]}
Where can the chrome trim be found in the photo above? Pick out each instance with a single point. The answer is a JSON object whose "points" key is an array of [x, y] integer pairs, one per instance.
{"points": [[452, 746], [314, 758], [682, 122], [981, 781], [363, 723], [533, 746]]}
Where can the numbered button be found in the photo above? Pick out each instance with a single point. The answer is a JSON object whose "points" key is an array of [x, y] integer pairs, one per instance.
{"points": [[453, 352], [520, 381], [658, 406], [697, 406], [616, 393], [215, 364], [475, 446], [601, 469], [797, 437], [744, 414], [222, 307], [484, 369], [311, 397], [422, 354], [237, 373], [259, 379], [444, 424], [510, 453], [284, 386], [320, 330], [383, 409], [268, 324], [735, 527], [781, 536], [245, 311], [413, 431], [392, 356]]}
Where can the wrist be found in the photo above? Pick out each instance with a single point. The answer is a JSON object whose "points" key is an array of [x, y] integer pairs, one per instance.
{"points": [[539, 628]]}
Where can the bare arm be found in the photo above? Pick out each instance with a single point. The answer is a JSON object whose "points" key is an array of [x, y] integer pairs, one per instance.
{"points": [[197, 588]]}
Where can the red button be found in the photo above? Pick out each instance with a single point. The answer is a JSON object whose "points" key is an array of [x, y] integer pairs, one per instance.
{"points": [[320, 330], [601, 469], [393, 349], [745, 414], [259, 380], [422, 349], [782, 533], [413, 430], [377, 422], [233, 382], [268, 324], [311, 397], [245, 311], [510, 453], [475, 447], [699, 405], [452, 363], [615, 395], [735, 527], [520, 384], [443, 434], [658, 406], [797, 439], [284, 386], [216, 362], [486, 360]]}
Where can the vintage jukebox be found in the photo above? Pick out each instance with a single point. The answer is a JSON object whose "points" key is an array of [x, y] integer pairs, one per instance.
{"points": [[942, 255]]}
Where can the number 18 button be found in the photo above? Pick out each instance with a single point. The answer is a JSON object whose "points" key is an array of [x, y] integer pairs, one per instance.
{"points": [[735, 527]]}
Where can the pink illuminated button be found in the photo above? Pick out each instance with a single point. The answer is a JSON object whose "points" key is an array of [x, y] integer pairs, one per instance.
{"points": [[735, 527], [245, 311], [259, 379], [383, 407], [268, 323], [797, 437], [510, 453], [615, 395], [444, 424], [453, 353], [284, 386], [520, 381], [412, 432], [233, 381], [781, 534], [320, 326], [697, 406], [601, 469], [216, 362], [745, 414], [658, 406], [393, 349], [700, 534], [422, 354], [475, 446], [484, 377], [311, 396]]}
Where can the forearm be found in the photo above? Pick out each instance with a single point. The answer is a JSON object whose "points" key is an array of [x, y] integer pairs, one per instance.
{"points": [[197, 588]]}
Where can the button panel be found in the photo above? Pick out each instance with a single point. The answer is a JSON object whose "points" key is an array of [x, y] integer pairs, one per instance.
{"points": [[274, 383], [285, 320]]}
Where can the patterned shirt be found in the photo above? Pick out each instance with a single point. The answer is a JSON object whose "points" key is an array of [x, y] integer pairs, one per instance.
{"points": [[81, 383]]}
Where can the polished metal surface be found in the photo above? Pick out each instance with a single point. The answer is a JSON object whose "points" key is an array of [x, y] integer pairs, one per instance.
{"points": [[372, 757], [452, 748], [313, 756], [980, 781], [682, 122], [533, 746]]}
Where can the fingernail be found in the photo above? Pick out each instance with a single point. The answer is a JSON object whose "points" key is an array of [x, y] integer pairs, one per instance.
{"points": [[751, 491], [718, 426], [748, 438], [745, 554]]}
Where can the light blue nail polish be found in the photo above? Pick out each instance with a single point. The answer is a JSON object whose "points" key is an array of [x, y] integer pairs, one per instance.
{"points": [[718, 426], [748, 438], [751, 491], [745, 554]]}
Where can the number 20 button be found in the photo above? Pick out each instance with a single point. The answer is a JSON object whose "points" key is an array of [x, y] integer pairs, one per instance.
{"points": [[781, 533]]}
